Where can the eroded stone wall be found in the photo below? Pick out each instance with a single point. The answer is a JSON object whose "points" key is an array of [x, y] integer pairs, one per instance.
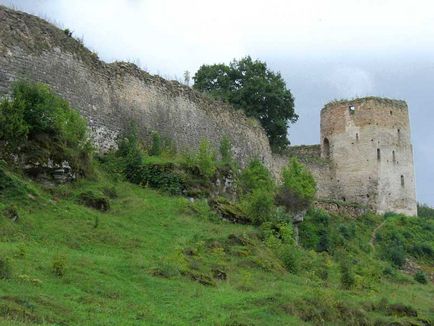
{"points": [[110, 96], [345, 166]]}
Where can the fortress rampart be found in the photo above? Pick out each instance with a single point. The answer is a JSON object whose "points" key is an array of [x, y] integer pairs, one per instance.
{"points": [[111, 95], [365, 154]]}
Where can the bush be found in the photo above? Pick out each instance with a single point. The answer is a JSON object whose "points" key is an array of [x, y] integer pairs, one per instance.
{"points": [[159, 176], [324, 242], [258, 206], [298, 189], [94, 200], [396, 256], [389, 271], [226, 151], [423, 210], [422, 250], [129, 151], [11, 212], [256, 176], [347, 277], [282, 231], [421, 277], [5, 269], [58, 265], [315, 232], [290, 259], [40, 126], [279, 237], [155, 149], [206, 159]]}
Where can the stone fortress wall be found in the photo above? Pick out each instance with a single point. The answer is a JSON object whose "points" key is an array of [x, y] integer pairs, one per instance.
{"points": [[110, 96]]}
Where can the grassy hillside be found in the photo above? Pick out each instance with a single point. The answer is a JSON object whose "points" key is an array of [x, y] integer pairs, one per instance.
{"points": [[103, 251], [154, 259]]}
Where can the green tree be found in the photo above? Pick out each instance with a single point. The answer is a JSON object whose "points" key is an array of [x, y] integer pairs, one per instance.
{"points": [[248, 84]]}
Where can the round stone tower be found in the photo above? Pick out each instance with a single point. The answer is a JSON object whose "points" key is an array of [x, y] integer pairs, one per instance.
{"points": [[368, 144]]}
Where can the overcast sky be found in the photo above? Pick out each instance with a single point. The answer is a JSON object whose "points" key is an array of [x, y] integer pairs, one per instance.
{"points": [[325, 49]]}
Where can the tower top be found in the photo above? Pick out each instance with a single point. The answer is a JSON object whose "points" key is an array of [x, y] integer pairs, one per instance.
{"points": [[384, 101]]}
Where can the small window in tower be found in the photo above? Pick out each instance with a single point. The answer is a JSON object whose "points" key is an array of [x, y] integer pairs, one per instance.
{"points": [[326, 148], [391, 112], [393, 157], [399, 133], [357, 137], [402, 180], [352, 109], [378, 154]]}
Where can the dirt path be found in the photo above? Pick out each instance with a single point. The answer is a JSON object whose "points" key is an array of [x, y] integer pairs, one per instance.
{"points": [[374, 235]]}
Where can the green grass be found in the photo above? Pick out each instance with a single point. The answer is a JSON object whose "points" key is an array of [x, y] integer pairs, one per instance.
{"points": [[155, 259]]}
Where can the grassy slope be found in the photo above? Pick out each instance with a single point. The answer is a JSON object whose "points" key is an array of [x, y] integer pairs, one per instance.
{"points": [[132, 270]]}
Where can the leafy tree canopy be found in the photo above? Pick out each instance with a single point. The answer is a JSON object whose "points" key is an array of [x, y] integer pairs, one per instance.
{"points": [[248, 84]]}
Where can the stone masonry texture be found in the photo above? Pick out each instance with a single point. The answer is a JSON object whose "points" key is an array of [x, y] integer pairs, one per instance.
{"points": [[365, 155], [111, 96]]}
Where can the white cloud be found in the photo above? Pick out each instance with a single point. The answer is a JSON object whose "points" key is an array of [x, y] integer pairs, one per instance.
{"points": [[171, 36], [350, 82]]}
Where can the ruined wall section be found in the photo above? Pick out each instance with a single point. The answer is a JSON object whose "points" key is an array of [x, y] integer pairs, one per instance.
{"points": [[109, 95], [368, 143]]}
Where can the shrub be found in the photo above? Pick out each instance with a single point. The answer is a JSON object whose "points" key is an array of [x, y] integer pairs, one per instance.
{"points": [[324, 242], [226, 151], [279, 237], [5, 269], [130, 151], [397, 256], [281, 215], [41, 126], [94, 200], [155, 149], [347, 277], [206, 159], [290, 259], [110, 192], [421, 277], [282, 231], [315, 231], [258, 206], [159, 176], [423, 210], [128, 141], [389, 271], [422, 250], [143, 170], [298, 189], [256, 176], [58, 265], [67, 32], [11, 213], [346, 231]]}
